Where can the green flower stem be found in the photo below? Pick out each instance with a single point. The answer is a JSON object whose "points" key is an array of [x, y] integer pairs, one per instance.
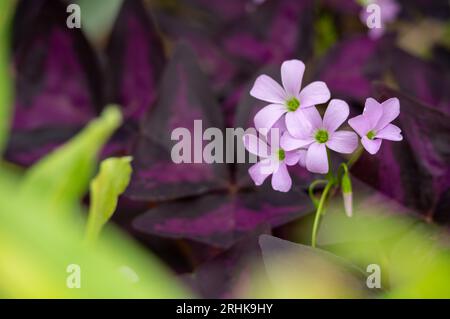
{"points": [[311, 190], [319, 210]]}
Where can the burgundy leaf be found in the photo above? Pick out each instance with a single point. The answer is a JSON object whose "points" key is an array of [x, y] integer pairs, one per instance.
{"points": [[222, 219], [423, 80], [184, 97], [46, 95], [135, 60], [351, 66], [58, 84], [226, 275]]}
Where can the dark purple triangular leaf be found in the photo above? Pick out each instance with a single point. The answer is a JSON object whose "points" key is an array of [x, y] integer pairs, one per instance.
{"points": [[424, 80], [184, 97], [46, 95], [350, 67], [135, 60], [58, 83], [221, 220], [228, 274]]}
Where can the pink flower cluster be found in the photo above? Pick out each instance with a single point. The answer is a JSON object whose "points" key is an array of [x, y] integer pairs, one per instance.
{"points": [[306, 137]]}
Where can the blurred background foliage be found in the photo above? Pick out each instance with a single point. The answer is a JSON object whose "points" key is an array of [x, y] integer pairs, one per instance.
{"points": [[47, 221]]}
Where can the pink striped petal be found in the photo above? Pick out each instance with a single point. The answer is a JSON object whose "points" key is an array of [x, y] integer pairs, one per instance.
{"points": [[289, 143], [268, 116], [371, 146], [291, 75], [298, 125], [391, 109], [317, 159], [313, 116], [360, 124], [293, 157], [281, 181], [302, 158], [261, 170], [313, 94], [372, 112], [390, 132], [336, 114], [343, 142], [267, 89], [256, 146]]}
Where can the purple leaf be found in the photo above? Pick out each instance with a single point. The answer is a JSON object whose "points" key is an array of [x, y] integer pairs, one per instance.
{"points": [[223, 219], [285, 34], [46, 97], [184, 97], [351, 66], [227, 274], [350, 7], [135, 59], [414, 171], [423, 80]]}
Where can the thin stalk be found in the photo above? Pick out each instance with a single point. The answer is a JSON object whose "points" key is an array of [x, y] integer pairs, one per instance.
{"points": [[319, 210], [311, 190]]}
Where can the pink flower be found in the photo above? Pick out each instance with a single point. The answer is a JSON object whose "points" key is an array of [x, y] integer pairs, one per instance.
{"points": [[288, 100], [274, 162], [316, 135], [374, 124]]}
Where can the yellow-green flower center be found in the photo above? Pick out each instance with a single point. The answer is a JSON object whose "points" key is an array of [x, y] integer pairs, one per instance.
{"points": [[321, 136], [292, 104], [281, 154], [371, 135]]}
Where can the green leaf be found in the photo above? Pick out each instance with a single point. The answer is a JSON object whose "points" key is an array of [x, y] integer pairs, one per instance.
{"points": [[111, 181], [37, 249], [6, 88], [63, 176]]}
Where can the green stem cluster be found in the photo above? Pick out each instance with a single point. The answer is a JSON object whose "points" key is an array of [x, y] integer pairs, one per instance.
{"points": [[331, 181]]}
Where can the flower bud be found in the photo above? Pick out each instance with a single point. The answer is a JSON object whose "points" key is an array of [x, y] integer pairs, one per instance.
{"points": [[346, 187]]}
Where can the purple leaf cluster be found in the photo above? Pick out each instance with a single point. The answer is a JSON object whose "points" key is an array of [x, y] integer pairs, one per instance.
{"points": [[172, 63]]}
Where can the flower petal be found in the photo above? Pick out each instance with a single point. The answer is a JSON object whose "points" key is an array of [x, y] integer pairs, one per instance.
{"points": [[316, 158], [360, 124], [314, 93], [289, 143], [371, 146], [268, 116], [293, 157], [267, 89], [343, 142], [281, 181], [372, 112], [256, 146], [313, 116], [261, 170], [298, 125], [390, 132], [291, 75], [391, 109], [302, 159], [336, 114]]}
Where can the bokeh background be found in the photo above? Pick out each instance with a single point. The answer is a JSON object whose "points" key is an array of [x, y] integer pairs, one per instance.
{"points": [[203, 229]]}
